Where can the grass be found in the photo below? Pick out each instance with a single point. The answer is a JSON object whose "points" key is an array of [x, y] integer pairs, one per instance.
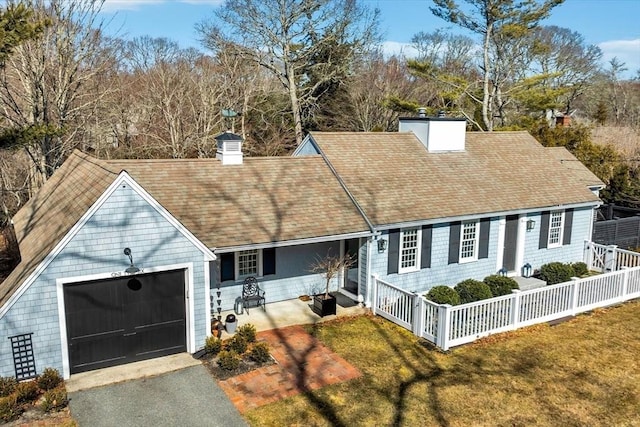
{"points": [[578, 373]]}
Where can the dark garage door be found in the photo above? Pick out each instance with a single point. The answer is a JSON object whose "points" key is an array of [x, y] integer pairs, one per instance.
{"points": [[116, 321]]}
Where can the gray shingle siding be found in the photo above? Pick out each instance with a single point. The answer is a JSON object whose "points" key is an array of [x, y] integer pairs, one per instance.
{"points": [[125, 220]]}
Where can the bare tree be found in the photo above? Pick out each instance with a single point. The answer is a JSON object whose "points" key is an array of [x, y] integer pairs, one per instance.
{"points": [[49, 84], [330, 266], [285, 36]]}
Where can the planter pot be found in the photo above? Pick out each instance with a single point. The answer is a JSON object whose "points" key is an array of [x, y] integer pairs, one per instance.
{"points": [[324, 306]]}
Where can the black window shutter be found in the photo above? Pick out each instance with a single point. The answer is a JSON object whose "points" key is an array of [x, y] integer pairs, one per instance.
{"points": [[485, 227], [454, 242], [544, 230], [227, 267], [393, 251], [568, 224], [425, 256], [268, 261]]}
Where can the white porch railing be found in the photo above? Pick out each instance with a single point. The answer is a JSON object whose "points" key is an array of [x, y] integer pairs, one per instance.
{"points": [[448, 326]]}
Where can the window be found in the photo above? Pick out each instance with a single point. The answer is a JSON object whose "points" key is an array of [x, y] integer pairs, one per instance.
{"points": [[409, 250], [248, 263], [556, 225], [469, 241], [253, 262]]}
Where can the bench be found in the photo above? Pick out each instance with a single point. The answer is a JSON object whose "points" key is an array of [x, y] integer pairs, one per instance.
{"points": [[252, 294]]}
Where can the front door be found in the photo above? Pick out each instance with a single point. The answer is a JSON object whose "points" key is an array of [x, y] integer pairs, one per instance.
{"points": [[352, 275], [510, 243]]}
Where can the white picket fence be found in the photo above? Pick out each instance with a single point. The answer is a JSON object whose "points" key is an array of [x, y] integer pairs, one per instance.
{"points": [[448, 326]]}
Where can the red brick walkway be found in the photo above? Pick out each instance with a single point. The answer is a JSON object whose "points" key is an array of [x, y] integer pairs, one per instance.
{"points": [[303, 364]]}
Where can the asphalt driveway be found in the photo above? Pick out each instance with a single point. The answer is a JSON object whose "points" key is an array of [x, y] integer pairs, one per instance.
{"points": [[188, 397]]}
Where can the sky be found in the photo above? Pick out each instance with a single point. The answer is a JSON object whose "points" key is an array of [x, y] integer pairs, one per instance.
{"points": [[613, 25]]}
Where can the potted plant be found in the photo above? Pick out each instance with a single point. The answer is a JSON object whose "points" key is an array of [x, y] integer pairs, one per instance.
{"points": [[330, 266]]}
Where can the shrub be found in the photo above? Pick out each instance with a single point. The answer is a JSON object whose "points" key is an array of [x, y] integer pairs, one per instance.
{"points": [[556, 272], [49, 379], [443, 295], [26, 392], [248, 332], [471, 290], [500, 285], [212, 345], [7, 386], [9, 408], [228, 360], [54, 399], [580, 269], [237, 344], [260, 352]]}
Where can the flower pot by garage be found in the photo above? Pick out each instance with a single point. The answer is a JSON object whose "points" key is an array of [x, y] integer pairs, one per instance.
{"points": [[324, 305]]}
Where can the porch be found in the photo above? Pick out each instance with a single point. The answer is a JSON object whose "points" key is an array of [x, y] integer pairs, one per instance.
{"points": [[291, 312]]}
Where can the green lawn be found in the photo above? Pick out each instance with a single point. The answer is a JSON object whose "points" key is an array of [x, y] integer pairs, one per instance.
{"points": [[584, 372]]}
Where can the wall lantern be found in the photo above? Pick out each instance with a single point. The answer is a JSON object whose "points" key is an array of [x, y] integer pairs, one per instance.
{"points": [[382, 245], [531, 225], [132, 268], [503, 272], [527, 270]]}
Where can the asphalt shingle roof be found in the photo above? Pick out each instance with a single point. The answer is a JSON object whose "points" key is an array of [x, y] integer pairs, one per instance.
{"points": [[395, 179], [263, 200]]}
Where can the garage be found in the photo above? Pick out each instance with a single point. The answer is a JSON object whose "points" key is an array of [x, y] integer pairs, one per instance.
{"points": [[122, 320]]}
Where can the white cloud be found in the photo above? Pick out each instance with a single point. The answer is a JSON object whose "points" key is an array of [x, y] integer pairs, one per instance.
{"points": [[114, 5], [627, 51], [390, 48]]}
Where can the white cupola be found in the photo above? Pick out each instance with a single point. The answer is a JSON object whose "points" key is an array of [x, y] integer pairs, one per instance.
{"points": [[229, 148]]}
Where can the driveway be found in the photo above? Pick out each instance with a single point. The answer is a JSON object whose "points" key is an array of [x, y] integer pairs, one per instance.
{"points": [[188, 397]]}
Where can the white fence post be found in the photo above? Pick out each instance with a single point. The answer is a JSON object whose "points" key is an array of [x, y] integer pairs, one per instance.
{"points": [[515, 308], [575, 288], [610, 259], [374, 305], [588, 254], [418, 315], [442, 340]]}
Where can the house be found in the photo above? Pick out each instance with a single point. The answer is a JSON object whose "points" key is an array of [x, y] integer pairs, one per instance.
{"points": [[123, 260]]}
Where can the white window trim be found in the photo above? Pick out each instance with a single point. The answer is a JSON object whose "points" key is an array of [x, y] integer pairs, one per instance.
{"points": [[560, 235], [476, 242], [236, 266], [418, 250]]}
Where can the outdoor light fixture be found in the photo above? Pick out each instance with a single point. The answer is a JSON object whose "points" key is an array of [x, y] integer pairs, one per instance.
{"points": [[526, 270], [530, 224], [382, 245], [132, 268]]}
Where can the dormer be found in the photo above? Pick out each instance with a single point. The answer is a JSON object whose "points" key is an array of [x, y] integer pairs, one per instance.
{"points": [[437, 134], [229, 148]]}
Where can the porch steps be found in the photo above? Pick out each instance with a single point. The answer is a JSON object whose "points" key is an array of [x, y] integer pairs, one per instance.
{"points": [[528, 283]]}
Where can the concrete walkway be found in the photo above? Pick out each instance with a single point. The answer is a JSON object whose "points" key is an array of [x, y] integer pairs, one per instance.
{"points": [[188, 397], [130, 371]]}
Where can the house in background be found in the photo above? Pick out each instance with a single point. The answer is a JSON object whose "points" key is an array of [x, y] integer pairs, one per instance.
{"points": [[120, 259]]}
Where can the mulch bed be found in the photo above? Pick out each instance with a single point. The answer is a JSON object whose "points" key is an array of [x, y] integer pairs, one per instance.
{"points": [[246, 365]]}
